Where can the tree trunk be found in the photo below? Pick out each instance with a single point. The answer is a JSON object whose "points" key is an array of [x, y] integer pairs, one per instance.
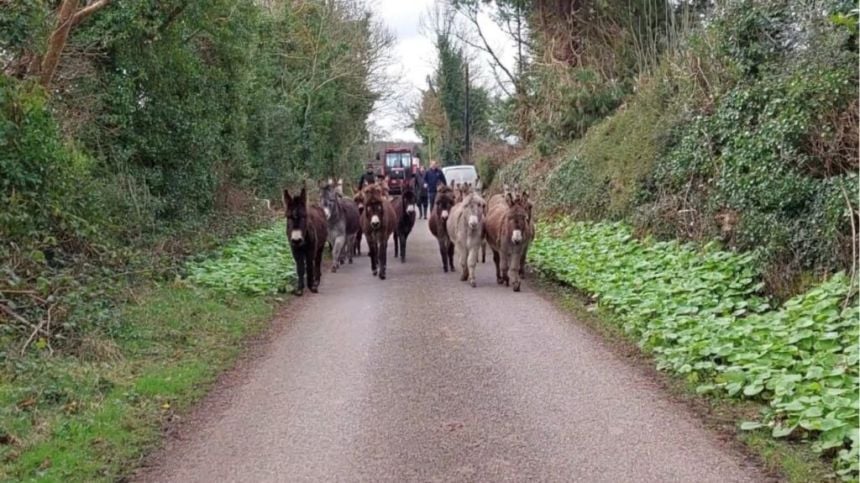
{"points": [[57, 41]]}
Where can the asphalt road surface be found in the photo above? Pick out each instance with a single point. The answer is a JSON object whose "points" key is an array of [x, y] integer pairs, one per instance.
{"points": [[422, 378]]}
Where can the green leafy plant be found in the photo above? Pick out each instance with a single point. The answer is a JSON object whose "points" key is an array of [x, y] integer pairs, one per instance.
{"points": [[701, 313], [256, 264]]}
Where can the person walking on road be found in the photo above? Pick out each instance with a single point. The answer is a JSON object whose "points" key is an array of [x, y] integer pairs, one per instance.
{"points": [[421, 191], [369, 177], [433, 178]]}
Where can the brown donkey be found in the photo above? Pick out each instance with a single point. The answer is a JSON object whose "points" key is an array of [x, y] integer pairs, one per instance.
{"points": [[378, 222], [358, 199], [438, 225], [509, 231], [307, 233]]}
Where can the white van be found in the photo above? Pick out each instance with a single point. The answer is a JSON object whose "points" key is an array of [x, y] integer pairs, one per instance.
{"points": [[463, 173]]}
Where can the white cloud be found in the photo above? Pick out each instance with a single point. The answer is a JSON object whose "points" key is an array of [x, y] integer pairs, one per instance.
{"points": [[414, 59]]}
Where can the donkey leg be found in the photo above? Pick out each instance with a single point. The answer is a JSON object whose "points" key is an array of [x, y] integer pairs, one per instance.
{"points": [[484, 251], [499, 279], [371, 252], [473, 262], [299, 258], [310, 271], [403, 249], [317, 270], [337, 252], [516, 259], [383, 258], [443, 251], [451, 256], [503, 268], [523, 263], [350, 248], [463, 256]]}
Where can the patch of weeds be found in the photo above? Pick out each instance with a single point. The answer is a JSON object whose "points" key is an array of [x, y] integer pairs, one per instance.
{"points": [[68, 419], [256, 264], [701, 315]]}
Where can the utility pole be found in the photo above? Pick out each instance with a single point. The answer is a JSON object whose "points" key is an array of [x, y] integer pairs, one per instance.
{"points": [[468, 154]]}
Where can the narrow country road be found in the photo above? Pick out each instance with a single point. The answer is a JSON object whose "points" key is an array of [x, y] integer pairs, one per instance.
{"points": [[422, 378]]}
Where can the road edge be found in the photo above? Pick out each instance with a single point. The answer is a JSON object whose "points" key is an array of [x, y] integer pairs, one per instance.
{"points": [[781, 460]]}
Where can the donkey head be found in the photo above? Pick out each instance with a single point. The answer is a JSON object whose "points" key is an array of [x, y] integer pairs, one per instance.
{"points": [[295, 208], [409, 198], [517, 218], [474, 208], [374, 210], [358, 198], [328, 199], [444, 201]]}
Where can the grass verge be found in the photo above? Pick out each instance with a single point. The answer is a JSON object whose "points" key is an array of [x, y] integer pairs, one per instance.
{"points": [[796, 463], [80, 418]]}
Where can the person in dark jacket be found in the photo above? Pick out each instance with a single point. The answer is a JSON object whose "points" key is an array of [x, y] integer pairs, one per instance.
{"points": [[421, 191], [369, 177], [433, 177]]}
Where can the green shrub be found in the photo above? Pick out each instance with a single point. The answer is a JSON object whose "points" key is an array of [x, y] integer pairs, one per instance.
{"points": [[45, 184], [749, 156], [702, 315]]}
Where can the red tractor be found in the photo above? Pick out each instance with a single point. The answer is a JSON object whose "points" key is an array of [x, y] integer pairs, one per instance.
{"points": [[399, 165]]}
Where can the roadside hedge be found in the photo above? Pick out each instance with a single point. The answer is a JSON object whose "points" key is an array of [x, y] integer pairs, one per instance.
{"points": [[700, 312]]}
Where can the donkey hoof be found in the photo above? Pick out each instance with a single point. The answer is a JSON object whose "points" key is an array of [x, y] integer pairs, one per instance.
{"points": [[350, 261], [445, 269], [473, 284], [374, 273], [313, 289], [516, 287], [500, 281], [382, 275], [298, 292], [334, 269]]}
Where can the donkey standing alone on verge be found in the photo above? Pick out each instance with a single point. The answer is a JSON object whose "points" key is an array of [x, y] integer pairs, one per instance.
{"points": [[307, 233], [341, 216], [405, 206], [466, 227], [378, 223], [438, 225], [509, 231]]}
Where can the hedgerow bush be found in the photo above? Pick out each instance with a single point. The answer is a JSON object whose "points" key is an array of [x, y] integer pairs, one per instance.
{"points": [[256, 264], [702, 314], [44, 183]]}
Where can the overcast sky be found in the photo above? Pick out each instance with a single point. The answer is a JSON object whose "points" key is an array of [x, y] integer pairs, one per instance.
{"points": [[415, 58]]}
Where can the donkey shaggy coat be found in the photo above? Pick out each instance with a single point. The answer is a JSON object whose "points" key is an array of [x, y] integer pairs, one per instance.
{"points": [[438, 225], [342, 221], [466, 227], [406, 209], [307, 233], [509, 232], [378, 222]]}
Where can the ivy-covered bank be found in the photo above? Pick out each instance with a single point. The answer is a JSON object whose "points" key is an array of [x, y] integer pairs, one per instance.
{"points": [[701, 314]]}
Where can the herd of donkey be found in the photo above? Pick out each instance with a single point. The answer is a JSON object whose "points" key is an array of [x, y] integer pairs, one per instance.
{"points": [[462, 222]]}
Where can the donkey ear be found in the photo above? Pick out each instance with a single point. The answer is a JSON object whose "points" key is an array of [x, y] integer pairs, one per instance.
{"points": [[509, 199], [286, 198], [304, 195]]}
